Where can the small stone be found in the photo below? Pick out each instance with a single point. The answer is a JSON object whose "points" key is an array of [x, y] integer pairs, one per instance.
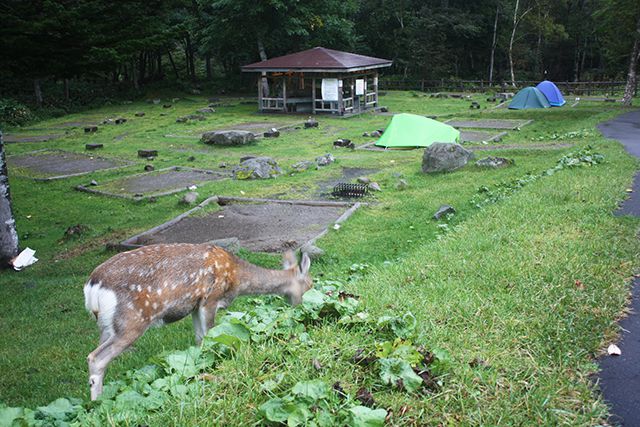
{"points": [[120, 120], [402, 185], [325, 160], [374, 186], [231, 244], [364, 180], [139, 114], [313, 251], [166, 105], [108, 122], [494, 162], [174, 100], [138, 196], [244, 158], [195, 91], [343, 142], [444, 210], [375, 134], [147, 153], [192, 187], [214, 99], [91, 129], [149, 168], [93, 182], [156, 101], [365, 134], [301, 166], [94, 146], [153, 199], [474, 105], [222, 165], [191, 159], [310, 123], [207, 110], [384, 110], [182, 119], [189, 198]]}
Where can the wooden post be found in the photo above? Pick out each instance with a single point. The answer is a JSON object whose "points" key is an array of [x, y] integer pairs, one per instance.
{"points": [[313, 96], [284, 94], [340, 105], [260, 94]]}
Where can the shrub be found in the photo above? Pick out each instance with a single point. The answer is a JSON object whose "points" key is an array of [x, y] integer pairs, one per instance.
{"points": [[13, 113]]}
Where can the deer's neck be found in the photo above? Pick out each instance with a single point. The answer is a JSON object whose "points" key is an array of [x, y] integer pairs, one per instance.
{"points": [[254, 280]]}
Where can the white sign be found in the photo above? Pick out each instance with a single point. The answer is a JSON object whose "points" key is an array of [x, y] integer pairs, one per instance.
{"points": [[329, 89], [359, 86]]}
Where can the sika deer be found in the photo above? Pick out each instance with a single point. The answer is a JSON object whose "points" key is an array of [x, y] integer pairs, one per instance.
{"points": [[160, 284]]}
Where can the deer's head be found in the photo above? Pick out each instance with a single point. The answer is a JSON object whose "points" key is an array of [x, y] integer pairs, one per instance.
{"points": [[302, 280]]}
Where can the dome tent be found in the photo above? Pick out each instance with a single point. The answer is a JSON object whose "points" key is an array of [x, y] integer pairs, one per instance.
{"points": [[411, 131], [529, 97], [551, 91]]}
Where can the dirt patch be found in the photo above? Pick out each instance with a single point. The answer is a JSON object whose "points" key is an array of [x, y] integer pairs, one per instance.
{"points": [[30, 138], [519, 147], [260, 227], [478, 136], [78, 124], [488, 123], [57, 164], [153, 184]]}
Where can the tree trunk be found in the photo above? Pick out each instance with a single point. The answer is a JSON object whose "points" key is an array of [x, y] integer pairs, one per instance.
{"points": [[263, 57], [159, 66], [37, 91], [207, 65], [513, 36], [188, 51], [173, 65], [493, 46], [67, 95], [8, 234], [632, 81]]}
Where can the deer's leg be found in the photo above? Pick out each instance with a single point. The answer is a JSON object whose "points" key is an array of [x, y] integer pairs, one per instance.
{"points": [[104, 354], [204, 317]]}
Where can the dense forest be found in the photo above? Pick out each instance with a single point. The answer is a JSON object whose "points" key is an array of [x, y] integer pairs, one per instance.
{"points": [[57, 51]]}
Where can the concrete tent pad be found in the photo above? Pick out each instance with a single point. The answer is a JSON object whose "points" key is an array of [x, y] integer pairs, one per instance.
{"points": [[488, 123], [152, 184], [478, 136], [30, 138], [262, 226], [46, 165]]}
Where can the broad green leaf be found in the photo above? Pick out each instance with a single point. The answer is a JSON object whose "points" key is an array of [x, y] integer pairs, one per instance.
{"points": [[361, 416], [313, 390], [8, 415], [276, 410], [392, 370], [313, 298]]}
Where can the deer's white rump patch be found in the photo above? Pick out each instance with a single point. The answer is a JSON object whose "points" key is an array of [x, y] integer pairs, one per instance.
{"points": [[101, 302]]}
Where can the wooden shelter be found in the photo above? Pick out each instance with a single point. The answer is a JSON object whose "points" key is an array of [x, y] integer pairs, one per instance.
{"points": [[318, 80]]}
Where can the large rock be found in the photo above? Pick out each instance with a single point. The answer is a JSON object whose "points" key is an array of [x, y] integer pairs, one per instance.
{"points": [[444, 157], [325, 160], [228, 137], [257, 168]]}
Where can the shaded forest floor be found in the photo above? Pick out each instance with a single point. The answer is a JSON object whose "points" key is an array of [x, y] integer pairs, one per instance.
{"points": [[518, 296]]}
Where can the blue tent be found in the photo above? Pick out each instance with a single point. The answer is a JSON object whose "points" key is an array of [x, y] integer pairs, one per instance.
{"points": [[529, 97], [551, 91]]}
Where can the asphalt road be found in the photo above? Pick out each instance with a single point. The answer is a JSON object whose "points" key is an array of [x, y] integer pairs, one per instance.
{"points": [[620, 375]]}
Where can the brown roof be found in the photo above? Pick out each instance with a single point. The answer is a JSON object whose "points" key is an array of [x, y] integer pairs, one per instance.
{"points": [[319, 59]]}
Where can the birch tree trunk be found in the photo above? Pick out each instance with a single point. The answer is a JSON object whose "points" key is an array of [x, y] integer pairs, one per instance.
{"points": [[37, 91], [8, 234], [632, 78], [493, 45], [513, 36]]}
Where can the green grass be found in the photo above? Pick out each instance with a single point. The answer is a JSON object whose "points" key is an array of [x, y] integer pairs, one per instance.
{"points": [[499, 285]]}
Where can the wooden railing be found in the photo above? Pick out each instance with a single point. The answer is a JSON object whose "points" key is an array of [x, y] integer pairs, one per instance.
{"points": [[272, 104], [574, 88]]}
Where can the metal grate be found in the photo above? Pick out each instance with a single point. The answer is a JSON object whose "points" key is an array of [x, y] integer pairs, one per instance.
{"points": [[350, 190]]}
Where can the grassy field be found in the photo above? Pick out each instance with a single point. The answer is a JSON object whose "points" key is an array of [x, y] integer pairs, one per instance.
{"points": [[522, 294]]}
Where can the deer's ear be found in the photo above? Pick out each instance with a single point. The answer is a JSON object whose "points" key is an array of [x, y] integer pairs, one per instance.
{"points": [[305, 264], [289, 260]]}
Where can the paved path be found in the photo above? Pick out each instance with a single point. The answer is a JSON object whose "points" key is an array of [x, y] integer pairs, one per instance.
{"points": [[620, 376]]}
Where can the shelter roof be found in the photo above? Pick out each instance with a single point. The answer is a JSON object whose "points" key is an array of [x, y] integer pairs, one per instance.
{"points": [[319, 59]]}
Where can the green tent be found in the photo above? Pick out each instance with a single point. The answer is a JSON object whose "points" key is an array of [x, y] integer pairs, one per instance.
{"points": [[529, 97], [411, 131]]}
